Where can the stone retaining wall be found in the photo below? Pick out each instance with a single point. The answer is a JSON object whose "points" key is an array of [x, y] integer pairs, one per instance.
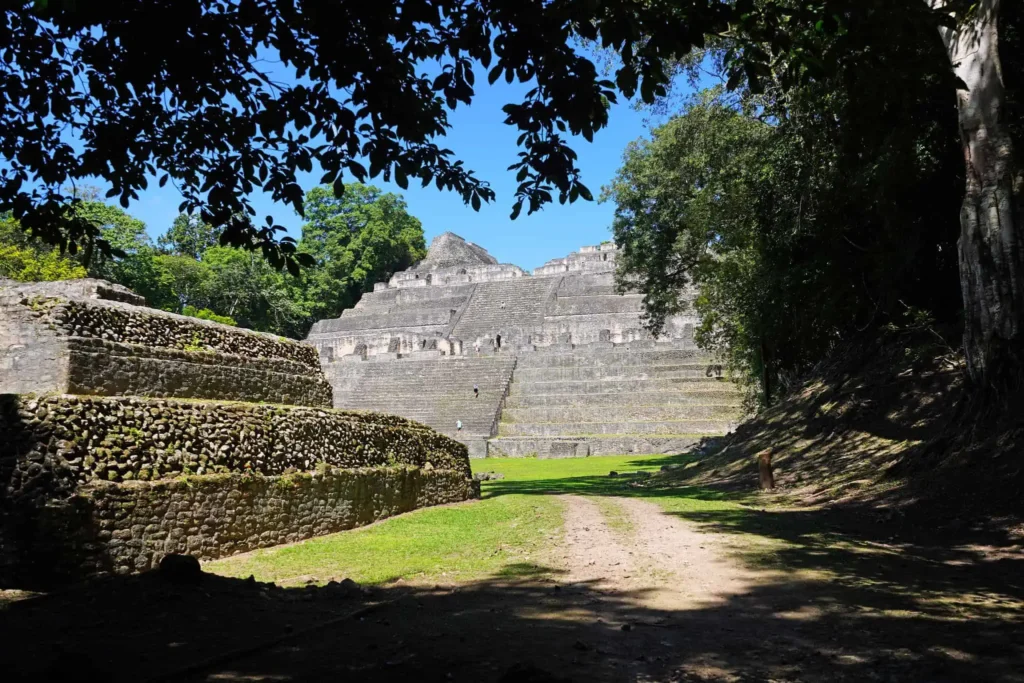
{"points": [[127, 528], [121, 322], [60, 442], [61, 344], [96, 366], [111, 484]]}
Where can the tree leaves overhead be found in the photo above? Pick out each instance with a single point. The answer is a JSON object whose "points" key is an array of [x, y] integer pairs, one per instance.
{"points": [[188, 91], [805, 214]]}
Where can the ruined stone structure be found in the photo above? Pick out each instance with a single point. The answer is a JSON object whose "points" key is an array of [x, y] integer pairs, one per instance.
{"points": [[561, 361], [128, 433]]}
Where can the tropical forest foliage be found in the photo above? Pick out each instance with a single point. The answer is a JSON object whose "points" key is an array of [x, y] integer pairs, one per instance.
{"points": [[353, 242]]}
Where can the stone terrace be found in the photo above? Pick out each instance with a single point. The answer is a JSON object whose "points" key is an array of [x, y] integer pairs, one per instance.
{"points": [[603, 402], [435, 391], [110, 460]]}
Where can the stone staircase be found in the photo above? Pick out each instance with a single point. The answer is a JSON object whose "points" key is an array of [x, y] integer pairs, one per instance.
{"points": [[607, 402], [505, 308], [436, 391]]}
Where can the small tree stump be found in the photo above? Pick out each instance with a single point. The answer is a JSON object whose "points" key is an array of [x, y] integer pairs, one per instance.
{"points": [[764, 466]]}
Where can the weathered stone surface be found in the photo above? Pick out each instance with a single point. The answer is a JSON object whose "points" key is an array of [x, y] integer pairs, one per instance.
{"points": [[108, 368], [57, 443], [101, 472], [121, 322], [574, 346], [128, 528], [459, 291], [437, 391], [55, 339]]}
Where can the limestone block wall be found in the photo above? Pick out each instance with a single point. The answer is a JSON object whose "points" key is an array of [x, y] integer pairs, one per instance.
{"points": [[52, 343], [587, 308], [32, 356], [595, 259], [128, 528], [100, 484], [437, 392], [512, 309], [118, 322], [390, 321], [107, 368], [56, 443]]}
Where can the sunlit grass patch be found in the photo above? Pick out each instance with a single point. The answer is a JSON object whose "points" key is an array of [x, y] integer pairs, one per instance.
{"points": [[454, 543]]}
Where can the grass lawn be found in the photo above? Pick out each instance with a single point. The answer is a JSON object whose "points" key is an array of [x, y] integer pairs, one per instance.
{"points": [[456, 542], [506, 533]]}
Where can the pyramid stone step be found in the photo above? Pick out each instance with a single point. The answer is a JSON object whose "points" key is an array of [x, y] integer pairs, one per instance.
{"points": [[616, 428], [576, 387], [436, 391], [618, 356], [548, 447], [694, 394], [619, 372], [625, 412]]}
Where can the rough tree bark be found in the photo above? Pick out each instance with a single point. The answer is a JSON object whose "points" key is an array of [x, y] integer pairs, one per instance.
{"points": [[991, 246]]}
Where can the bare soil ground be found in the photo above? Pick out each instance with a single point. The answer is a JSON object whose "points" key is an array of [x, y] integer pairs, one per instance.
{"points": [[629, 593]]}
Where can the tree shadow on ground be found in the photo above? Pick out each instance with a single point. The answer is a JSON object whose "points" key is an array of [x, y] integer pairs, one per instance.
{"points": [[853, 566], [789, 627]]}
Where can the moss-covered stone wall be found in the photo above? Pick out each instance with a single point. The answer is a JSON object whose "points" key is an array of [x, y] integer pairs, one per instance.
{"points": [[127, 528], [59, 442], [53, 340], [120, 322], [97, 366], [93, 484]]}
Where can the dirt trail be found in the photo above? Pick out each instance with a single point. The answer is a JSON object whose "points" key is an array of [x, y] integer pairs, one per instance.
{"points": [[631, 594], [664, 559]]}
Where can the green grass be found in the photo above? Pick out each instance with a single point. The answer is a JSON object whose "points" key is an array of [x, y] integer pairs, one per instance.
{"points": [[507, 534], [589, 477], [461, 542], [615, 516], [566, 469]]}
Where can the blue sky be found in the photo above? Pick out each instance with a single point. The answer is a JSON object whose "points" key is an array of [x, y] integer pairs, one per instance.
{"points": [[487, 145]]}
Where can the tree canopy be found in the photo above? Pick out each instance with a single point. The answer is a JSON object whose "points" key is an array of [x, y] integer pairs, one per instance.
{"points": [[352, 242], [800, 216], [27, 260], [123, 79], [360, 239], [113, 91]]}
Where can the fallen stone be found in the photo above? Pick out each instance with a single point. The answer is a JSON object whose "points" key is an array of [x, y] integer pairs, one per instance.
{"points": [[488, 476], [346, 587]]}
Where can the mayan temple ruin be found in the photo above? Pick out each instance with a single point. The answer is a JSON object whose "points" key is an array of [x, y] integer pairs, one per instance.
{"points": [[131, 433], [554, 364]]}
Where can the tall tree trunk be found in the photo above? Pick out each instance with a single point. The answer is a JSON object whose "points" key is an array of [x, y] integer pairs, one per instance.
{"points": [[991, 245]]}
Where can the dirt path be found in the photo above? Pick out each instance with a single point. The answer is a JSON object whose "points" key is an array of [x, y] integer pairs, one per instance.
{"points": [[669, 562], [629, 594]]}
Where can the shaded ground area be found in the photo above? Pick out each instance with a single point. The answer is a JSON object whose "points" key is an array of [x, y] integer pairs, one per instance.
{"points": [[647, 583], [884, 426]]}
